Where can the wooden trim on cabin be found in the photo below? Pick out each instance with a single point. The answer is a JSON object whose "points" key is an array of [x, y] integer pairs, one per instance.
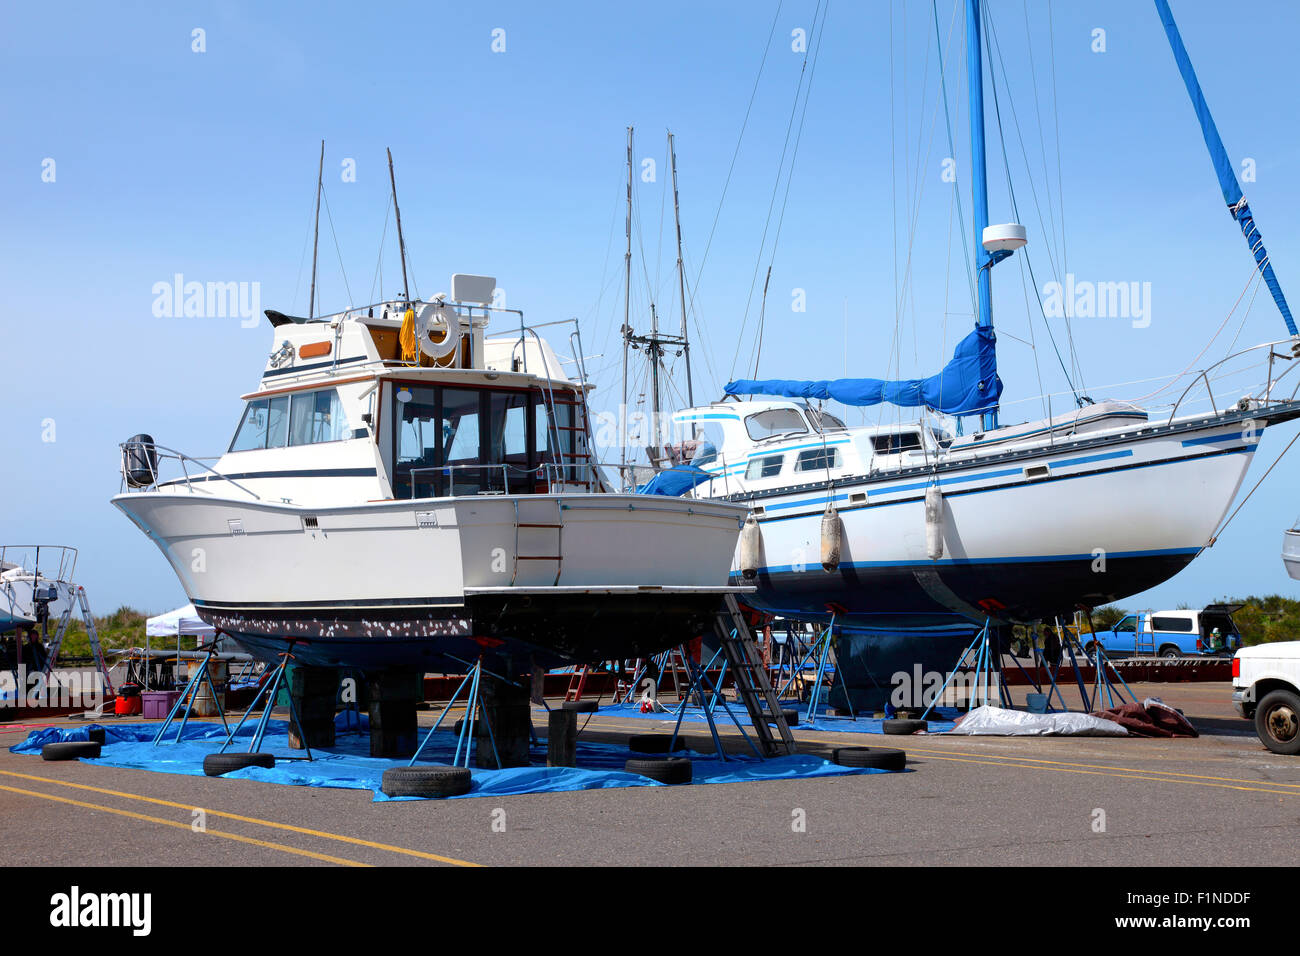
{"points": [[306, 387], [314, 349]]}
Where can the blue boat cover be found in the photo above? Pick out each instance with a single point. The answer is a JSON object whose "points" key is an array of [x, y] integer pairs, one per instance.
{"points": [[674, 482], [1238, 208], [969, 384]]}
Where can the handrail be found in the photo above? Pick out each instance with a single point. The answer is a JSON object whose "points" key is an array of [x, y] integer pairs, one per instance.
{"points": [[1273, 355], [504, 466], [180, 457], [66, 568]]}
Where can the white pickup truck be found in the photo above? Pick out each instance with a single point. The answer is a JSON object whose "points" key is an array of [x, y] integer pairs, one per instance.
{"points": [[1266, 687]]}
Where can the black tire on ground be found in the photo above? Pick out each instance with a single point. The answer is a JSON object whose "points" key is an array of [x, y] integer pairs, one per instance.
{"points": [[581, 706], [880, 758], [96, 735], [654, 743], [663, 769], [71, 750], [428, 781], [214, 765], [791, 716], [1170, 651], [1277, 721], [902, 726]]}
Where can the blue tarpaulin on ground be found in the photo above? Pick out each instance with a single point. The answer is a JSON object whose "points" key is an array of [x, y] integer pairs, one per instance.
{"points": [[348, 763], [941, 720]]}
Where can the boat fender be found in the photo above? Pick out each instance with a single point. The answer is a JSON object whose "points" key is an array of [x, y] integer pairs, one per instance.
{"points": [[751, 547], [437, 319], [933, 523], [832, 537]]}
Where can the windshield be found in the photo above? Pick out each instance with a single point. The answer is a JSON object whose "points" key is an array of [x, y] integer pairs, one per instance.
{"points": [[773, 422]]}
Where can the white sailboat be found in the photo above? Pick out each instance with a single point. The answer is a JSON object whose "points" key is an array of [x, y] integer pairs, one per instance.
{"points": [[912, 526]]}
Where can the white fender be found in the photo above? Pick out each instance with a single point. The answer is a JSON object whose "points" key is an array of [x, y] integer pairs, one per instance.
{"points": [[832, 537], [751, 548], [933, 523]]}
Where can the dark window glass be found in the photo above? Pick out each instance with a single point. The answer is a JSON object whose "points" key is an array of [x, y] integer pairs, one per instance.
{"points": [[1172, 624], [894, 444], [817, 458]]}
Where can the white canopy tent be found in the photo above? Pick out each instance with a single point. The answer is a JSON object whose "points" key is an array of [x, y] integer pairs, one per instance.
{"points": [[182, 620]]}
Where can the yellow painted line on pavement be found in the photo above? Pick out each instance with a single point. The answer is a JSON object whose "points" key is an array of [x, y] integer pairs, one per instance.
{"points": [[185, 826], [323, 834], [1128, 775]]}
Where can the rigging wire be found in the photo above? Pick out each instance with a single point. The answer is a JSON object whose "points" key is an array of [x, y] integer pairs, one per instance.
{"points": [[789, 178], [337, 250], [776, 185]]}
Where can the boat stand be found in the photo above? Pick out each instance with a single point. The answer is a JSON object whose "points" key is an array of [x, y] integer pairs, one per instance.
{"points": [[188, 696], [351, 708], [269, 689], [466, 738], [700, 682], [987, 673]]}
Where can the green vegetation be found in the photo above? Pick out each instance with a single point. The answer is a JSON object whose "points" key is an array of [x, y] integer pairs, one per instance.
{"points": [[1266, 619], [1104, 618], [123, 628]]}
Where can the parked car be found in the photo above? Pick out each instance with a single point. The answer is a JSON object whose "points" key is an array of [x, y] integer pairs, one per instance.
{"points": [[1181, 633], [1266, 687]]}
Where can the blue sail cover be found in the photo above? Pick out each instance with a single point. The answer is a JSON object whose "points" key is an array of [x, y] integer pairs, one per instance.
{"points": [[1238, 208], [674, 482], [969, 384]]}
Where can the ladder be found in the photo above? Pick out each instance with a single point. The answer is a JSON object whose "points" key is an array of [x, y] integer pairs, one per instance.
{"points": [[577, 683], [750, 677], [79, 593], [543, 526], [1141, 646]]}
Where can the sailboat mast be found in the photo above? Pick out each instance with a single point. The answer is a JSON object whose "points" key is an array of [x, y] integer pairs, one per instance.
{"points": [[681, 274], [979, 175], [315, 238], [401, 243], [627, 315]]}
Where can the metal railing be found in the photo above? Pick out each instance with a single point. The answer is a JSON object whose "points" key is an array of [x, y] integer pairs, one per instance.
{"points": [[160, 453], [28, 559], [1205, 376]]}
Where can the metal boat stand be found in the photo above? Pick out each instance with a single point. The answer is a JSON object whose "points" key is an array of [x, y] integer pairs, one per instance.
{"points": [[188, 695], [699, 683], [351, 708], [466, 738], [988, 671], [270, 688]]}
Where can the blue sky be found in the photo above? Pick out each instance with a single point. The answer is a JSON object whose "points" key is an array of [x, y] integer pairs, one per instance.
{"points": [[511, 164]]}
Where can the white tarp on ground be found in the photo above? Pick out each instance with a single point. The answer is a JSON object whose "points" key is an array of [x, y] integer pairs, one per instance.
{"points": [[1000, 722], [184, 620]]}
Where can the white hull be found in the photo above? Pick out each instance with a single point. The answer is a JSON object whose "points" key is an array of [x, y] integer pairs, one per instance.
{"points": [[427, 577]]}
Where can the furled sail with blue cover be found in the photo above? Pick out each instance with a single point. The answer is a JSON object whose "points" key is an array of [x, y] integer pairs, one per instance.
{"points": [[1223, 168], [967, 385]]}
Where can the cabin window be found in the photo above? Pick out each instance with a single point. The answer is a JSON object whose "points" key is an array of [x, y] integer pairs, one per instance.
{"points": [[817, 459], [897, 443], [775, 422], [824, 421], [767, 467], [265, 425], [468, 441], [1171, 624], [317, 417]]}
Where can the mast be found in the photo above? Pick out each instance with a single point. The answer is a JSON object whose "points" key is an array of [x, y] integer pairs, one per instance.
{"points": [[315, 239], [401, 243], [627, 313], [681, 276], [979, 176], [1238, 208]]}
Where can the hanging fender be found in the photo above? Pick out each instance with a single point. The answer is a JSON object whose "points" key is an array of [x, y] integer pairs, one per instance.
{"points": [[751, 548], [933, 523], [832, 538]]}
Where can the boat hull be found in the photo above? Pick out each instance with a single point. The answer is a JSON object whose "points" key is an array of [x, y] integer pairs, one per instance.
{"points": [[1025, 537], [540, 579]]}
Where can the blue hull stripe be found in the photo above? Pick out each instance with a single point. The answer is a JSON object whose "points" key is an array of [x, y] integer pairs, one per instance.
{"points": [[980, 491], [968, 562]]}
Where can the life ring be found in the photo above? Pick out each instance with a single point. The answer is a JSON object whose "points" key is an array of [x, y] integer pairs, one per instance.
{"points": [[437, 330]]}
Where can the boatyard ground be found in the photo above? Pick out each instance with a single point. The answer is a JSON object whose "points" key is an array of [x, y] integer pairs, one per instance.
{"points": [[993, 801]]}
